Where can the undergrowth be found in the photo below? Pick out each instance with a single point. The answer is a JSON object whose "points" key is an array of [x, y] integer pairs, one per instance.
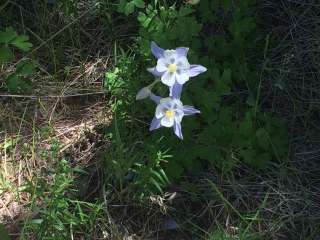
{"points": [[231, 128], [215, 184]]}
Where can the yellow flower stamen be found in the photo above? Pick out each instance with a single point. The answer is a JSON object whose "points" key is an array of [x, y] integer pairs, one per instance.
{"points": [[172, 68], [169, 114]]}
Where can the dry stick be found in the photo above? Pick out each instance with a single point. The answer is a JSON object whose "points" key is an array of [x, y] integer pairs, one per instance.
{"points": [[226, 202], [7, 209], [51, 96], [4, 5], [15, 149], [262, 71], [257, 213]]}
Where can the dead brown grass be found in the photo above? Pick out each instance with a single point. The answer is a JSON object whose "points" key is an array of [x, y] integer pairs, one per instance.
{"points": [[32, 122]]}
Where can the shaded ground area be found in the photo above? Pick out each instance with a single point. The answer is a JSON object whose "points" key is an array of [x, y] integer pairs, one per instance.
{"points": [[291, 88]]}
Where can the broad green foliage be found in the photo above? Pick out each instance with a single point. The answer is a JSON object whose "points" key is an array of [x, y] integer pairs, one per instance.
{"points": [[128, 6], [9, 38], [231, 128], [18, 80]]}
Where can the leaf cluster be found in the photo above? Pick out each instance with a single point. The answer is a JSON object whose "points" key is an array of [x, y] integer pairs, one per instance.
{"points": [[231, 129], [17, 81]]}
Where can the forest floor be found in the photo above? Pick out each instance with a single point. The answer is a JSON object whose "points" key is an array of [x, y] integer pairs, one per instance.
{"points": [[66, 114]]}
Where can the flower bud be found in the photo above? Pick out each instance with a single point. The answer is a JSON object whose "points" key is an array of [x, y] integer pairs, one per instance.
{"points": [[193, 2], [143, 93]]}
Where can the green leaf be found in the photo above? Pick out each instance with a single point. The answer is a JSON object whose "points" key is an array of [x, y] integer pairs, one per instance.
{"points": [[185, 11], [158, 176], [164, 176], [205, 153], [248, 155], [37, 221], [263, 139], [129, 8], [9, 143], [122, 5], [22, 43], [207, 10], [226, 4], [6, 54], [226, 76], [15, 83], [12, 82], [251, 101], [222, 84], [174, 170], [185, 29], [262, 160], [144, 20], [156, 184], [246, 128], [8, 35], [139, 3], [242, 27], [3, 233], [25, 68]]}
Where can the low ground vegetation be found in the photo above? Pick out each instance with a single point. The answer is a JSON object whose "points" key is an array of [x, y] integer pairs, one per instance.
{"points": [[78, 160]]}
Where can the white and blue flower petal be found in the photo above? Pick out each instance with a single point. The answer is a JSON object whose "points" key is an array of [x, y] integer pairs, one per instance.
{"points": [[160, 110], [182, 51], [170, 56], [155, 124], [195, 70], [168, 78], [189, 110], [156, 50], [178, 115], [182, 63], [155, 98], [162, 65], [167, 121], [177, 130], [175, 90], [182, 78], [154, 72], [169, 113]]}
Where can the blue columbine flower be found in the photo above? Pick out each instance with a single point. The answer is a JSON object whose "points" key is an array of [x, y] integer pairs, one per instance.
{"points": [[174, 70], [169, 113], [173, 67]]}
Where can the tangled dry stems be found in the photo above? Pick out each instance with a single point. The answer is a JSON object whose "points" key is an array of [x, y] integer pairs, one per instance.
{"points": [[291, 89]]}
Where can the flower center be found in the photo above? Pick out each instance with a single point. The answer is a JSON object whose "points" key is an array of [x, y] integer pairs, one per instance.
{"points": [[169, 113], [172, 68]]}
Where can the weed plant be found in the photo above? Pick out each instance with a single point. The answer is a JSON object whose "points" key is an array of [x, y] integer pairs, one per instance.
{"points": [[57, 211]]}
